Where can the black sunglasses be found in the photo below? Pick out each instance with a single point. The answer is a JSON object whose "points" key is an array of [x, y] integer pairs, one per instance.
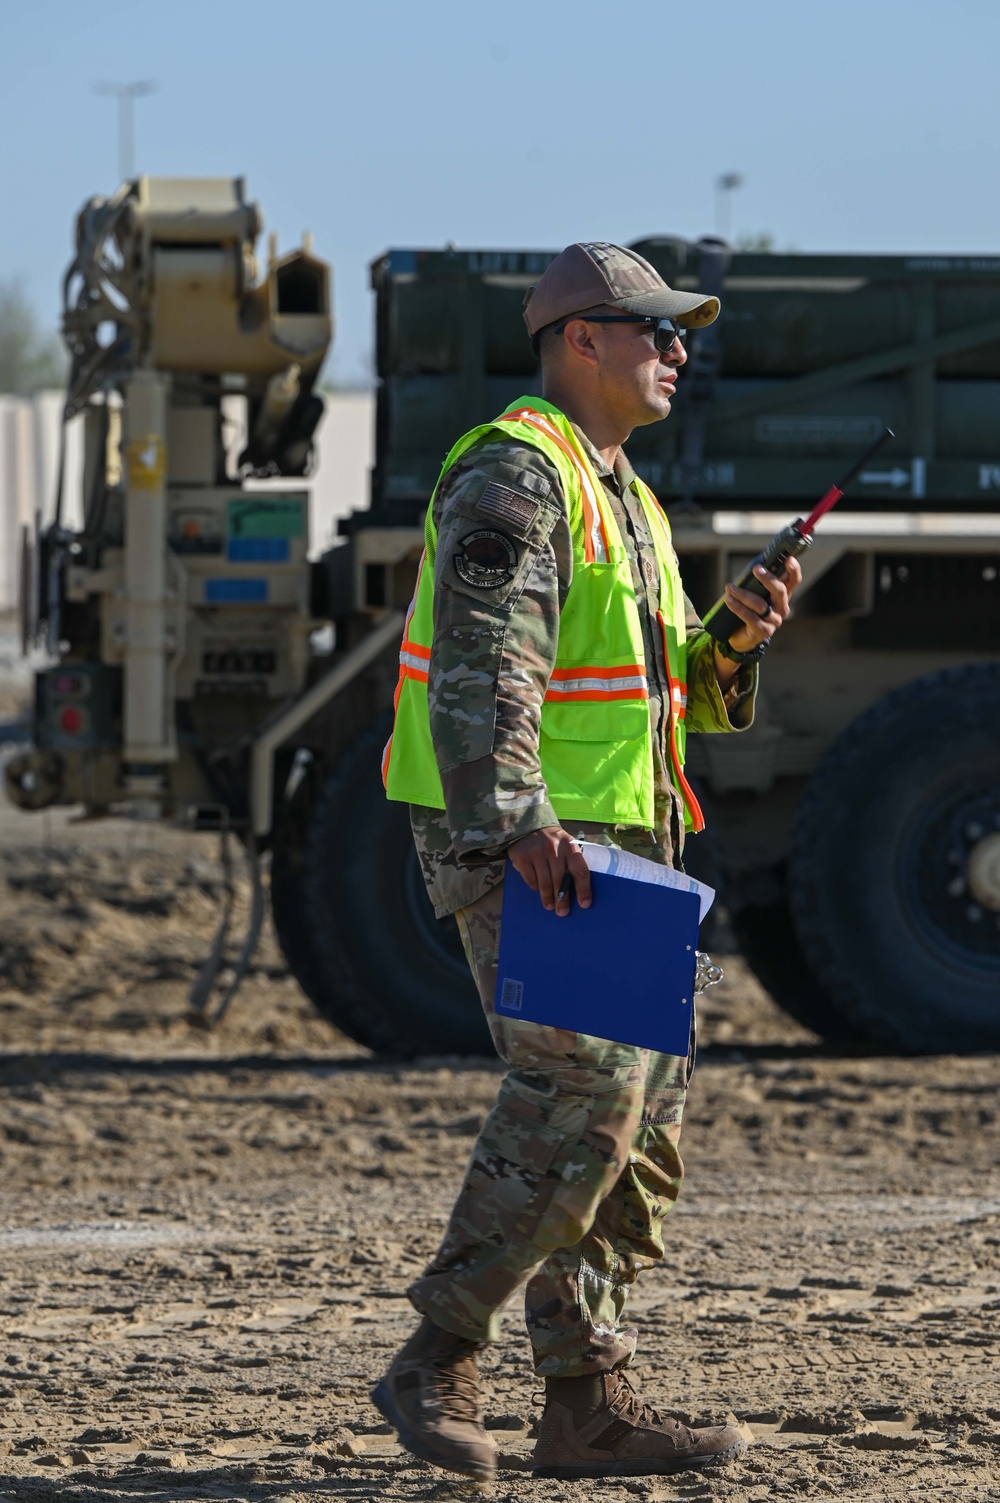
{"points": [[665, 332]]}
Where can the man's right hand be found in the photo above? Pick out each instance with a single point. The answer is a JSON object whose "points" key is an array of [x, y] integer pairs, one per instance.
{"points": [[543, 858]]}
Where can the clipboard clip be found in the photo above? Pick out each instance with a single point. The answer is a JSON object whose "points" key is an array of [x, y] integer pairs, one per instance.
{"points": [[706, 972]]}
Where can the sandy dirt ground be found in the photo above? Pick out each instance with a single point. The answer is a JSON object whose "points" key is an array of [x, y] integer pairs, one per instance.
{"points": [[206, 1236]]}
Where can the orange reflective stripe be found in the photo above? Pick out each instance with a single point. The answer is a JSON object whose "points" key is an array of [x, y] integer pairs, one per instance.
{"points": [[694, 808], [413, 660], [628, 670], [407, 667], [591, 509], [678, 708], [582, 684], [556, 697]]}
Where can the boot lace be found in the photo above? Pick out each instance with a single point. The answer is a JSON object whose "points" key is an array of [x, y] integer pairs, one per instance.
{"points": [[630, 1407]]}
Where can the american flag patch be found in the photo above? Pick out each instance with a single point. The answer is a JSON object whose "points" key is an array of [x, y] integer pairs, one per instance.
{"points": [[508, 505]]}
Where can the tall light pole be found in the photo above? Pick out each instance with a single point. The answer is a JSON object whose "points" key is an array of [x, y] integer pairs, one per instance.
{"points": [[725, 187], [126, 95]]}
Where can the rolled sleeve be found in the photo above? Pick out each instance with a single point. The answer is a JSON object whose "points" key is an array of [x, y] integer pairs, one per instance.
{"points": [[708, 709]]}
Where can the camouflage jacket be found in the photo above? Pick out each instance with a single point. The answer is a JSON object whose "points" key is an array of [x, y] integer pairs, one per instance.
{"points": [[499, 584]]}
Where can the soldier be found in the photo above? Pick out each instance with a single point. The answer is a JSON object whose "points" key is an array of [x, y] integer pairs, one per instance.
{"points": [[550, 666]]}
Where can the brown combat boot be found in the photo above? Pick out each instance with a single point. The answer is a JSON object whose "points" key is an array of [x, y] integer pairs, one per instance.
{"points": [[430, 1395], [598, 1427]]}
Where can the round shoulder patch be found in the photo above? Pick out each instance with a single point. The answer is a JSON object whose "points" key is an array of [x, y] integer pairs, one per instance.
{"points": [[486, 559]]}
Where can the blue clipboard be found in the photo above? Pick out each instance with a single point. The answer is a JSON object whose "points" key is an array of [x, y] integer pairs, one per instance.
{"points": [[621, 970]]}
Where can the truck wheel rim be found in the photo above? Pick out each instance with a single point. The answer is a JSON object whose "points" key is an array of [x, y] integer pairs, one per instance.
{"points": [[951, 878], [983, 872]]}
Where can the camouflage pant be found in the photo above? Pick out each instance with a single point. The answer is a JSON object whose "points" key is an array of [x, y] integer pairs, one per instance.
{"points": [[569, 1183]]}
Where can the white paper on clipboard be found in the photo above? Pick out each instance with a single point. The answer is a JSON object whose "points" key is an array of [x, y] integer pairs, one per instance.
{"points": [[619, 863]]}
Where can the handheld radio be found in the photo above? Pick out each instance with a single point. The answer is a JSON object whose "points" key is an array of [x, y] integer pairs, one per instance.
{"points": [[792, 540]]}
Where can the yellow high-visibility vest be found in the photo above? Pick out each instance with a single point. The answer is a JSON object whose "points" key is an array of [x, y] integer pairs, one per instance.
{"points": [[594, 743]]}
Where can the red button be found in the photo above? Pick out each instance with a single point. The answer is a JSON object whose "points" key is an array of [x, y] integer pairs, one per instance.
{"points": [[71, 720]]}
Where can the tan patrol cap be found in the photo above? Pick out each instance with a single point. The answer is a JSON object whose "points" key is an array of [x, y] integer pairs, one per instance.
{"points": [[595, 274]]}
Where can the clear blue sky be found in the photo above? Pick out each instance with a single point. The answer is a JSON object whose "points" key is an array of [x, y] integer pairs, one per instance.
{"points": [[859, 125]]}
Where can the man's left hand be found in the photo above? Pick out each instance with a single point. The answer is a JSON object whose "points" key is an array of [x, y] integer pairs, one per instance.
{"points": [[762, 618]]}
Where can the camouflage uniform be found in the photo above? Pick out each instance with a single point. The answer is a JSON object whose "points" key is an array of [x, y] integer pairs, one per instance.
{"points": [[577, 1165]]}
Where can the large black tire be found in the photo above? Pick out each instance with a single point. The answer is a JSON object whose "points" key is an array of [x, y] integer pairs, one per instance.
{"points": [[764, 933], [354, 920], [770, 946], [294, 933], [879, 874]]}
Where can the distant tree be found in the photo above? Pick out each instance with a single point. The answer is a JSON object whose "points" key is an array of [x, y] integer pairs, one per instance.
{"points": [[30, 357], [762, 242]]}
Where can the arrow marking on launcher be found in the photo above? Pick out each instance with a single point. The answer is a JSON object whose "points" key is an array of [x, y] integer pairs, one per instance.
{"points": [[884, 477]]}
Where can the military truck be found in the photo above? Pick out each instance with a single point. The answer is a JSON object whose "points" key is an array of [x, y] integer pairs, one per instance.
{"points": [[179, 615], [854, 832]]}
